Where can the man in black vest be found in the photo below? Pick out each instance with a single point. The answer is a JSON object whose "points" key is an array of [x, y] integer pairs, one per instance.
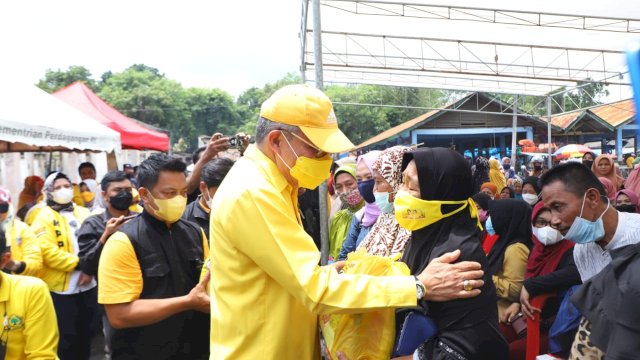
{"points": [[149, 273]]}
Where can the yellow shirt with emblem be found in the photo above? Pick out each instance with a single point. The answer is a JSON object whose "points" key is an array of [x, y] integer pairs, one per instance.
{"points": [[30, 330], [266, 287]]}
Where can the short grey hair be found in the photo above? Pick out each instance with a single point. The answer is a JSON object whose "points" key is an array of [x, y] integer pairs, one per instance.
{"points": [[265, 126]]}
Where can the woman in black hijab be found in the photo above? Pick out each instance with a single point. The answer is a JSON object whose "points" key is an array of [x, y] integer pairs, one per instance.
{"points": [[468, 328], [510, 220]]}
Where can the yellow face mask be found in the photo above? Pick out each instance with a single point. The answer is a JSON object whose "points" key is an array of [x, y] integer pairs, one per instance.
{"points": [[309, 173], [170, 210], [414, 214], [87, 196]]}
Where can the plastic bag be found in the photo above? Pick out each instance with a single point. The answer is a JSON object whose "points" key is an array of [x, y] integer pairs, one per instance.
{"points": [[369, 335]]}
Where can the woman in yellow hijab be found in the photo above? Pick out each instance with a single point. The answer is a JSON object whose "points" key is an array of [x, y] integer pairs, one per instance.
{"points": [[495, 175]]}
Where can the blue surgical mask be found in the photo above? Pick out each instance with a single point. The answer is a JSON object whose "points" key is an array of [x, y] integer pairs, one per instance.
{"points": [[366, 190], [583, 231], [382, 202], [488, 225]]}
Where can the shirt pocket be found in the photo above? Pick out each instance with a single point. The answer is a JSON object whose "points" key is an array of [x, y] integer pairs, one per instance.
{"points": [[195, 261], [156, 273]]}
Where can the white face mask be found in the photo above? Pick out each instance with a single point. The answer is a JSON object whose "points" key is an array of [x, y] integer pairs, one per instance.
{"points": [[547, 235], [209, 199], [530, 199], [63, 196]]}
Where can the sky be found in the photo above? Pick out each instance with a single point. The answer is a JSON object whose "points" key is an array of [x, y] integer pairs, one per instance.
{"points": [[231, 45], [228, 44]]}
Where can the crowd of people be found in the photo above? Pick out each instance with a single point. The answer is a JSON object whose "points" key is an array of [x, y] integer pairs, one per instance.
{"points": [[221, 264]]}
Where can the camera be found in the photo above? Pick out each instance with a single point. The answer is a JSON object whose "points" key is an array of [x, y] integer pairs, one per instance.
{"points": [[236, 142]]}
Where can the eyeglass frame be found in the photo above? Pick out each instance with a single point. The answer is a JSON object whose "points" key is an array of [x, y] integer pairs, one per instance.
{"points": [[319, 154]]}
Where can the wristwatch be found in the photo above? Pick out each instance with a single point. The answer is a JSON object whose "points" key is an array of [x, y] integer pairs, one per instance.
{"points": [[421, 291]]}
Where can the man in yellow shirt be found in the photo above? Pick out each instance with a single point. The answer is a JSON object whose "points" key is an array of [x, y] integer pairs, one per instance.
{"points": [[26, 257], [149, 273], [30, 330], [266, 286]]}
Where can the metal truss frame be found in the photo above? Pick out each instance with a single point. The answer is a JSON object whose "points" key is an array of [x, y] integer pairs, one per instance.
{"points": [[455, 62], [494, 16]]}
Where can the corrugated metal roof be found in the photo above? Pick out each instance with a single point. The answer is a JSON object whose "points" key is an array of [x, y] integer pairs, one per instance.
{"points": [[398, 129], [614, 114], [617, 113], [565, 120], [411, 123]]}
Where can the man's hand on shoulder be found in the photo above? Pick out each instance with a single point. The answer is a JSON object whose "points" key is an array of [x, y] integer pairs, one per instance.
{"points": [[445, 281]]}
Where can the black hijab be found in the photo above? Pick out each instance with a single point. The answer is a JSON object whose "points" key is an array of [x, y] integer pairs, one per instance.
{"points": [[444, 175], [482, 199], [511, 219], [533, 181]]}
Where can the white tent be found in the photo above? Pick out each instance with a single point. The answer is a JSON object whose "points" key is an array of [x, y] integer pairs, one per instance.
{"points": [[32, 120]]}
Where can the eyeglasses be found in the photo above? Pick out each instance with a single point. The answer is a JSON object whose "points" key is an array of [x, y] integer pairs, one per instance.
{"points": [[540, 223], [319, 154]]}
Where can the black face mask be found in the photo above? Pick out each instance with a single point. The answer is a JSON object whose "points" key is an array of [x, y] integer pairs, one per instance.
{"points": [[587, 163], [537, 167], [366, 190], [121, 201], [626, 208]]}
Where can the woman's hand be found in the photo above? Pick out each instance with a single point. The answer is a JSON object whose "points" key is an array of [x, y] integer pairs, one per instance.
{"points": [[339, 265], [510, 313], [527, 309]]}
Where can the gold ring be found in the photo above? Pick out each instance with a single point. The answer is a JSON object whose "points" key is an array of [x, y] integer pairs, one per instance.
{"points": [[466, 285]]}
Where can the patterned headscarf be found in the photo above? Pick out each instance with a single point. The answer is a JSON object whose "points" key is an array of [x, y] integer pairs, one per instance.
{"points": [[389, 165], [47, 190], [387, 237]]}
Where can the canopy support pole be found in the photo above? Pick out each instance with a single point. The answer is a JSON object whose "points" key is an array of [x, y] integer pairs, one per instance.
{"points": [[322, 190], [549, 161], [514, 133], [619, 144]]}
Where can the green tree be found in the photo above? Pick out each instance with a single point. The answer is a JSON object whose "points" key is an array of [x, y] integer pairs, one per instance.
{"points": [[585, 94], [213, 110], [361, 122], [152, 99], [57, 79]]}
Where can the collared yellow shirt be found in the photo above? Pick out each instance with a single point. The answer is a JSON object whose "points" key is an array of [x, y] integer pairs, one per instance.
{"points": [[266, 287], [30, 328]]}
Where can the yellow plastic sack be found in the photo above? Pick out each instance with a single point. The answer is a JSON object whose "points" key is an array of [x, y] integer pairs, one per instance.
{"points": [[369, 335]]}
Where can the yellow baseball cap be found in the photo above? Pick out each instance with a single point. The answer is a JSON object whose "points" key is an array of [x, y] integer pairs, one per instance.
{"points": [[311, 110]]}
